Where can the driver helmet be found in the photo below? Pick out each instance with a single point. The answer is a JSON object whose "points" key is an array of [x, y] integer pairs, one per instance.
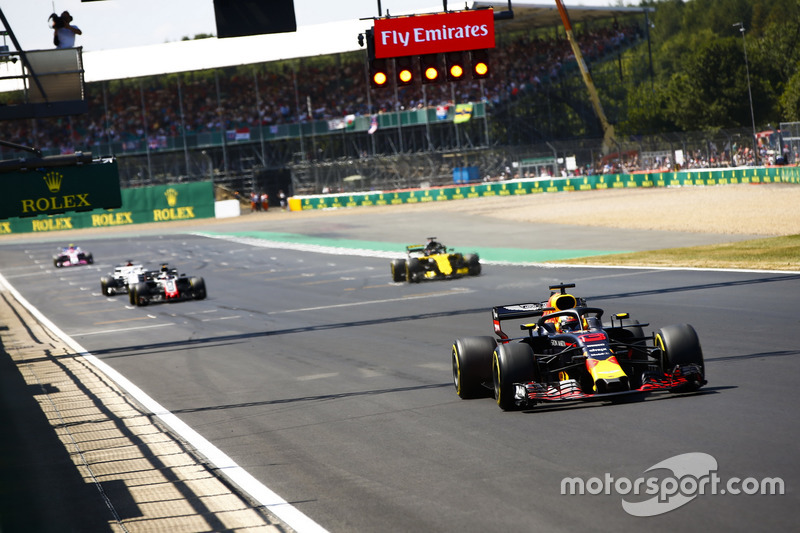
{"points": [[568, 323], [432, 244]]}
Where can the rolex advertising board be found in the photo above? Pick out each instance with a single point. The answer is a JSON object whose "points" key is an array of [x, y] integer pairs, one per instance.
{"points": [[160, 203], [48, 190]]}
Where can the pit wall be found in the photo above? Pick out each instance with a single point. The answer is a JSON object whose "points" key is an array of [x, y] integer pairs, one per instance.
{"points": [[161, 203], [543, 185]]}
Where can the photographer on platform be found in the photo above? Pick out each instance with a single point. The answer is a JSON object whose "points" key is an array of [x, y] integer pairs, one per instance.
{"points": [[63, 31]]}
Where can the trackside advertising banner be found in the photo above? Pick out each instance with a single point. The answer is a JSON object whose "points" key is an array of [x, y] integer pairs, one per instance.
{"points": [[161, 203], [434, 34], [546, 185]]}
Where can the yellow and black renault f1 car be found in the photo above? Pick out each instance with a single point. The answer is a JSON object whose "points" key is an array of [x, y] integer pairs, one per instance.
{"points": [[433, 261], [568, 353]]}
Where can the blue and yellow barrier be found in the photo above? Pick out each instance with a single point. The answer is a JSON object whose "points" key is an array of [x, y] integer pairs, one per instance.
{"points": [[538, 185]]}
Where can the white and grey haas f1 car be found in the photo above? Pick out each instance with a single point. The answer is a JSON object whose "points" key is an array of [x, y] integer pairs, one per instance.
{"points": [[568, 353], [166, 285], [121, 280]]}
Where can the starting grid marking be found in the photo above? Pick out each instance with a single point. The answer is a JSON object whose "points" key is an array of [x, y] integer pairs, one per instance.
{"points": [[316, 248], [451, 292], [341, 250]]}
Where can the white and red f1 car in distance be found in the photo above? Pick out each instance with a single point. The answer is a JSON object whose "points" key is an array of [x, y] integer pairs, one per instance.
{"points": [[166, 285], [72, 256], [121, 280], [568, 353]]}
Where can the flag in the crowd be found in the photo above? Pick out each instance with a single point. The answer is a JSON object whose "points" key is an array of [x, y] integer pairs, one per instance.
{"points": [[463, 113], [239, 134], [441, 112], [373, 124], [336, 124], [351, 121]]}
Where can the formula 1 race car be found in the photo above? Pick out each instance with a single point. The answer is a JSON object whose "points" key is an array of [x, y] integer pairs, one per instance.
{"points": [[71, 256], [166, 285], [569, 354], [433, 261], [123, 277]]}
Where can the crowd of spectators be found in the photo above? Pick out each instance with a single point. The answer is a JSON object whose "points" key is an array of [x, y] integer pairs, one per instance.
{"points": [[134, 111]]}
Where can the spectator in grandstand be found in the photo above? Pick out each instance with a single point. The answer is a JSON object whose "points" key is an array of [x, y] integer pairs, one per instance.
{"points": [[63, 31], [526, 64]]}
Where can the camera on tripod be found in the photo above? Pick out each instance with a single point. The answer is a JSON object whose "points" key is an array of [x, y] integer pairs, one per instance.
{"points": [[56, 21]]}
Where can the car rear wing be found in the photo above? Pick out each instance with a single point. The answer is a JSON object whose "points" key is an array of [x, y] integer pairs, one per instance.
{"points": [[516, 312]]}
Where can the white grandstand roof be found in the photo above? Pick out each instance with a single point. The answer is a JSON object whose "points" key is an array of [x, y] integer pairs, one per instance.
{"points": [[200, 54], [307, 41]]}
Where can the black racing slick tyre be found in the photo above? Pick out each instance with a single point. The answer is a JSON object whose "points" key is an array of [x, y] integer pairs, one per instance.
{"points": [[198, 288], [512, 363], [398, 270], [106, 284], [472, 365], [679, 345], [473, 264], [140, 295], [414, 271]]}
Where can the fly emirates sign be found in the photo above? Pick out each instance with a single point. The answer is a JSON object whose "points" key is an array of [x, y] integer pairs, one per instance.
{"points": [[434, 34]]}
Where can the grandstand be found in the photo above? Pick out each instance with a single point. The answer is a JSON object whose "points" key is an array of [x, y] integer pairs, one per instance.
{"points": [[294, 111]]}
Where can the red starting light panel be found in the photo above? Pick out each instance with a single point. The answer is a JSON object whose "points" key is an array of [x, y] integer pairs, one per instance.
{"points": [[432, 34]]}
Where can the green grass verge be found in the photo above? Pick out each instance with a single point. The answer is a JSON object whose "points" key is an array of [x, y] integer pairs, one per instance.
{"points": [[776, 253]]}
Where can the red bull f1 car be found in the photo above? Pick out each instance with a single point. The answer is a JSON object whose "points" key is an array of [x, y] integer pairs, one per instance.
{"points": [[568, 353], [166, 285], [433, 261], [72, 256]]}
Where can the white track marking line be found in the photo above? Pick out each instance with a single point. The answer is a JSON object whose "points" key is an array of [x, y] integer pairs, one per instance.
{"points": [[221, 318], [451, 292], [118, 330], [312, 377]]}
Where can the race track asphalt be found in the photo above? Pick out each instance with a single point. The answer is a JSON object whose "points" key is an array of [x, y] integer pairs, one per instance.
{"points": [[331, 385]]}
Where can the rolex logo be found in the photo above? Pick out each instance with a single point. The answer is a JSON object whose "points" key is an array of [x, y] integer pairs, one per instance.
{"points": [[172, 197], [53, 181]]}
